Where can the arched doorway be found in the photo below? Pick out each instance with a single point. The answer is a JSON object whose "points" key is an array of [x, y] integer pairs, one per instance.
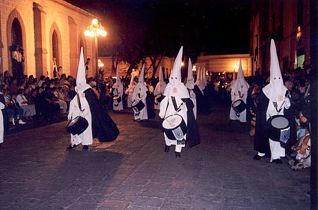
{"points": [[16, 48], [55, 49]]}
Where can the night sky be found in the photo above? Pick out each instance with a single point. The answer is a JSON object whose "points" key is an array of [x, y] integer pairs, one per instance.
{"points": [[212, 27]]}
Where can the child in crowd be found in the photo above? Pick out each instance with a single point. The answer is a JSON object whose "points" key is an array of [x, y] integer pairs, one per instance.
{"points": [[302, 147]]}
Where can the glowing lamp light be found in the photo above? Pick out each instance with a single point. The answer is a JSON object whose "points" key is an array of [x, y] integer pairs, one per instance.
{"points": [[194, 68], [182, 63], [94, 21]]}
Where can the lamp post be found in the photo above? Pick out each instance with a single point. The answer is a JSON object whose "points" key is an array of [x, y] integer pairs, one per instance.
{"points": [[94, 30]]}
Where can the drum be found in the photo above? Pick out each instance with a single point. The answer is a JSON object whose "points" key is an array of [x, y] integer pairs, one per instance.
{"points": [[174, 127], [116, 100], [77, 125], [138, 106], [279, 128], [239, 106]]}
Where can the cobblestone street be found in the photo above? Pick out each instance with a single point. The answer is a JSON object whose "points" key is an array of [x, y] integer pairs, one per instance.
{"points": [[134, 172]]}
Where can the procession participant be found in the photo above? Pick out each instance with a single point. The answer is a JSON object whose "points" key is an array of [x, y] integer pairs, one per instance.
{"points": [[202, 103], [87, 105], [190, 85], [272, 101], [2, 106], [117, 93], [139, 98], [79, 107], [176, 104], [130, 90], [239, 90], [159, 90]]}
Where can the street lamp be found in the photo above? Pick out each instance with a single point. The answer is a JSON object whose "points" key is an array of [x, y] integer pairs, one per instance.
{"points": [[94, 30]]}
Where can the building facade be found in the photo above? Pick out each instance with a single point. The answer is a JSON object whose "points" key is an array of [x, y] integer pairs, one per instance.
{"points": [[287, 22], [45, 32], [226, 63]]}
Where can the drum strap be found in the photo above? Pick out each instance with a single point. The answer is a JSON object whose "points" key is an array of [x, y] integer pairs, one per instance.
{"points": [[176, 108], [79, 103]]}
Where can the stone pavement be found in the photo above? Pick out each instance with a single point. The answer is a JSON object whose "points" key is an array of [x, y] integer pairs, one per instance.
{"points": [[135, 173]]}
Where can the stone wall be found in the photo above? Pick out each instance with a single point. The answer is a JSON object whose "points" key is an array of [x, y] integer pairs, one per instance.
{"points": [[38, 20]]}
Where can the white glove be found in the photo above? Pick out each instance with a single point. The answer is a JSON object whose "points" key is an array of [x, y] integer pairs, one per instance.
{"points": [[69, 116], [2, 106]]}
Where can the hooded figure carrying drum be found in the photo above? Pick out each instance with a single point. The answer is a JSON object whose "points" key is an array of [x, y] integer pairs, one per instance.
{"points": [[139, 96], [272, 122], [176, 109], [79, 107], [239, 90], [94, 122]]}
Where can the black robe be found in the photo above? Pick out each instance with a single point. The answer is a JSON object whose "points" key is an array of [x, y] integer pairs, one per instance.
{"points": [[150, 101], [103, 127], [261, 141], [193, 137], [202, 102]]}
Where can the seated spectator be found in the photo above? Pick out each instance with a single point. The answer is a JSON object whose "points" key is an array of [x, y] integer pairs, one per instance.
{"points": [[59, 99], [302, 147], [28, 108], [13, 109]]}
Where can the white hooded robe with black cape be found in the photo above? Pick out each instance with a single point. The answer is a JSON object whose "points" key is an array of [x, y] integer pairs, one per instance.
{"points": [[177, 99], [273, 92]]}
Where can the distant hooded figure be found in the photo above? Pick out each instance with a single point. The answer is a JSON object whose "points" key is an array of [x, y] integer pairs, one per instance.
{"points": [[117, 92], [272, 102], [139, 96], [239, 90], [2, 107], [190, 85], [159, 90], [86, 104], [202, 103], [130, 90], [177, 111]]}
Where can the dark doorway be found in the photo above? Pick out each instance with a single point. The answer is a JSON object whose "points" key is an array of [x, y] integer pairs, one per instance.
{"points": [[17, 52]]}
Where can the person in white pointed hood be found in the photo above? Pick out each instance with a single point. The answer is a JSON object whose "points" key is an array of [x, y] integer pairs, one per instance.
{"points": [[2, 107], [272, 102], [190, 85], [87, 105], [139, 98], [239, 90], [201, 98], [117, 93], [159, 90], [177, 111], [130, 90], [79, 107]]}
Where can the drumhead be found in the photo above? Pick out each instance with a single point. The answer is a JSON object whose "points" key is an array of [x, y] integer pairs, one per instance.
{"points": [[280, 122], [236, 103], [172, 121]]}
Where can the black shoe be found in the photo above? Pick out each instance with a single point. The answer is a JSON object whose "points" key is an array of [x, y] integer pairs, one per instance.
{"points": [[85, 147], [70, 147], [257, 157], [167, 148], [278, 161], [178, 154]]}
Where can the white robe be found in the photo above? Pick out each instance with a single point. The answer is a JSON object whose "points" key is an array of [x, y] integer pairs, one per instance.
{"points": [[277, 151], [167, 109], [2, 106], [194, 100], [159, 90], [85, 138], [236, 96], [118, 92], [140, 93], [129, 92]]}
